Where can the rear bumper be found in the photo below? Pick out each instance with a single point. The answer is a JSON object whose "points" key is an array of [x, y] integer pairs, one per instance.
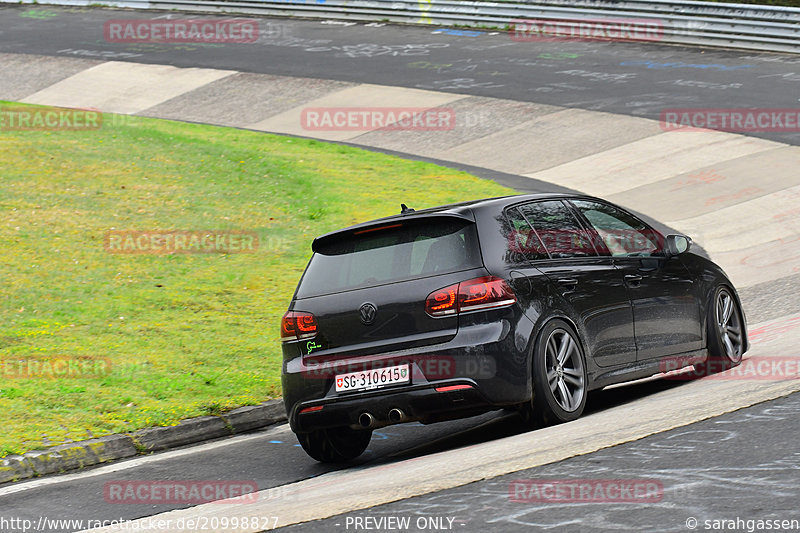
{"points": [[416, 403], [489, 360]]}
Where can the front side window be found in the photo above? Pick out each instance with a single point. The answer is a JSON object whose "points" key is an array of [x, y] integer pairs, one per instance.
{"points": [[621, 233]]}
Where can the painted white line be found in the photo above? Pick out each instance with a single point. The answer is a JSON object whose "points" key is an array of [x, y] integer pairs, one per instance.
{"points": [[145, 460], [367, 486]]}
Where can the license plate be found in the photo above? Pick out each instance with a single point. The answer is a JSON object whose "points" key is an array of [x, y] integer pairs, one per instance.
{"points": [[372, 379]]}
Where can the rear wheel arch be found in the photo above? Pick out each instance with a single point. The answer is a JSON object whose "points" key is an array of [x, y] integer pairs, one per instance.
{"points": [[335, 445], [543, 407], [575, 329]]}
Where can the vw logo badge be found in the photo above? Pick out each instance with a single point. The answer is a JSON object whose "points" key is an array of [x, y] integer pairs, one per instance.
{"points": [[367, 312]]}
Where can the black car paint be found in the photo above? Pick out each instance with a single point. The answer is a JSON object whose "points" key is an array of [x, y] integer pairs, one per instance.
{"points": [[627, 328]]}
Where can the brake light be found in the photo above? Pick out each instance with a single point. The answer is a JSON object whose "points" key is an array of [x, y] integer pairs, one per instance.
{"points": [[442, 302], [484, 293], [380, 228], [296, 325], [487, 292]]}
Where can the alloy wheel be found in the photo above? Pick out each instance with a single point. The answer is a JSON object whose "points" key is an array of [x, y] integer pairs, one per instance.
{"points": [[564, 367], [729, 326]]}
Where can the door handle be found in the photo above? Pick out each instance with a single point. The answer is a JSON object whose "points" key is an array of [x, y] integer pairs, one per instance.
{"points": [[633, 279], [568, 282]]}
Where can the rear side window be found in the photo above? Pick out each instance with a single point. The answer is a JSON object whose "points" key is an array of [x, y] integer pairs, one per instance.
{"points": [[558, 229], [523, 243], [395, 252]]}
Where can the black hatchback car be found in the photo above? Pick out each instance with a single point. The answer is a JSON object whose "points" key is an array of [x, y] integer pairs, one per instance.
{"points": [[523, 301]]}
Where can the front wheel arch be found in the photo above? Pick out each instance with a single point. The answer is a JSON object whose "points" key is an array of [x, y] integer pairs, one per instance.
{"points": [[726, 330]]}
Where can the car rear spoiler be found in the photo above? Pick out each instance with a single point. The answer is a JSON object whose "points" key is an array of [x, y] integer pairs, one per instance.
{"points": [[417, 217]]}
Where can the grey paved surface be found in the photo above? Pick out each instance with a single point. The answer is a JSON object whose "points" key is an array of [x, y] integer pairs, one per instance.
{"points": [[271, 458], [229, 101], [638, 80], [625, 78], [743, 465], [42, 72]]}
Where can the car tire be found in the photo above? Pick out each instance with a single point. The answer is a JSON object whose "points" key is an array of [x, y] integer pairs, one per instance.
{"points": [[724, 327], [559, 379], [335, 445]]}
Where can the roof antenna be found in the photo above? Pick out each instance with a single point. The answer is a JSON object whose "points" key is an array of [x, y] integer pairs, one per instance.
{"points": [[405, 209]]}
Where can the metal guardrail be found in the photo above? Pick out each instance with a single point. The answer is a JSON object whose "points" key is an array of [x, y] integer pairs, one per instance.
{"points": [[745, 26]]}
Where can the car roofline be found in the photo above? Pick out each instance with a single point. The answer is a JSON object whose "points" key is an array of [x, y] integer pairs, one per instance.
{"points": [[458, 210], [461, 210]]}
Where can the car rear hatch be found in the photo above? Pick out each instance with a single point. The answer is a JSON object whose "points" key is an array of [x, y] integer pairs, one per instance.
{"points": [[367, 286]]}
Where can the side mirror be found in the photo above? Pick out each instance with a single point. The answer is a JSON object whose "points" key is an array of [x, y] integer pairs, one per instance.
{"points": [[677, 244]]}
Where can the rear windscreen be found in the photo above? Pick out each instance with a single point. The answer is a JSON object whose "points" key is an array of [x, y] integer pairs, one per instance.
{"points": [[395, 252]]}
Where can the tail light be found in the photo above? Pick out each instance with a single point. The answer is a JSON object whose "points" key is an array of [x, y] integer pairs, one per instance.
{"points": [[442, 302], [296, 325], [487, 292]]}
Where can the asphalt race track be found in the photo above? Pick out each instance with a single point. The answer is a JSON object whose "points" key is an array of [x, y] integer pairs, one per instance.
{"points": [[708, 471], [562, 115], [624, 78]]}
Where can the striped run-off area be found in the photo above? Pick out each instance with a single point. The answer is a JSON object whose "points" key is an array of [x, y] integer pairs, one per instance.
{"points": [[737, 196]]}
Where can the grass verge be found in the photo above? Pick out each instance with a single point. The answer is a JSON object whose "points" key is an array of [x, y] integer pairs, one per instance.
{"points": [[176, 335]]}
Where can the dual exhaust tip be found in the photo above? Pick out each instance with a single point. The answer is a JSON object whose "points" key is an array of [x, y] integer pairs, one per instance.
{"points": [[367, 420]]}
